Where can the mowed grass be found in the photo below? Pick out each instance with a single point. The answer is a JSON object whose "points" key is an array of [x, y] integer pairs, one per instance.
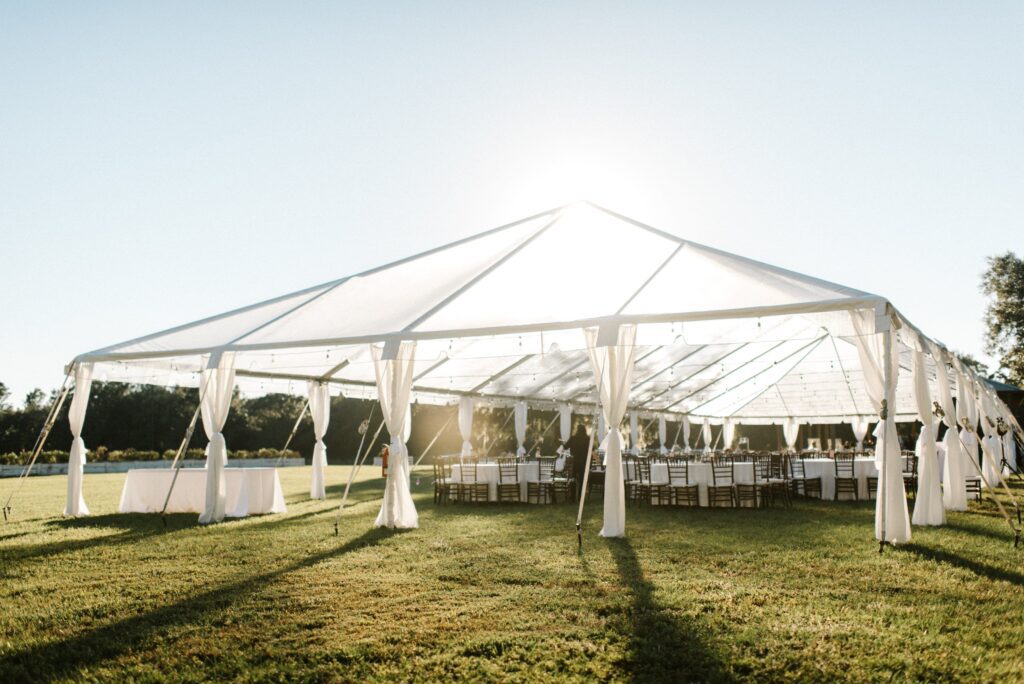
{"points": [[499, 593]]}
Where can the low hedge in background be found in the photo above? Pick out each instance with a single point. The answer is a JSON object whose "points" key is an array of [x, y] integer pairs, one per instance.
{"points": [[103, 455]]}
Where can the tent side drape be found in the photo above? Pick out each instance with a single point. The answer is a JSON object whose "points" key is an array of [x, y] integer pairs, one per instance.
{"points": [[728, 433], [879, 359], [791, 432], [393, 370], [320, 410], [612, 361], [860, 425], [75, 506], [634, 432], [928, 509], [954, 487], [686, 434], [520, 426], [662, 434], [219, 381], [564, 423], [705, 433], [466, 425]]}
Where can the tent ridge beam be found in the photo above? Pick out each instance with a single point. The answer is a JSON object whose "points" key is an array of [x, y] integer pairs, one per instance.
{"points": [[840, 304], [481, 275]]}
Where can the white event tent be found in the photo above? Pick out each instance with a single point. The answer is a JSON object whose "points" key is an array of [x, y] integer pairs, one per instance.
{"points": [[578, 307]]}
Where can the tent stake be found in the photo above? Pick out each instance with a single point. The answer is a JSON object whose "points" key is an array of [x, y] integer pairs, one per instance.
{"points": [[51, 418]]}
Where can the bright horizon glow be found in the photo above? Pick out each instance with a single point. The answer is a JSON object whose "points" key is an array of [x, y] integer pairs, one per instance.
{"points": [[166, 163]]}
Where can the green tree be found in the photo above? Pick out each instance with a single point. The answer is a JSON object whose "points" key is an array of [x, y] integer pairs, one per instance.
{"points": [[5, 394], [1003, 283]]}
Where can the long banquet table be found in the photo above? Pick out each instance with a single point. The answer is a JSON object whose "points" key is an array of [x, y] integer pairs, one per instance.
{"points": [[743, 472], [488, 472], [249, 491]]}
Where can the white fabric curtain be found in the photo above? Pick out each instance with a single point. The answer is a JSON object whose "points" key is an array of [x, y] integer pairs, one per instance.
{"points": [[860, 426], [954, 487], [320, 410], [1009, 453], [217, 384], [879, 361], [968, 417], [686, 434], [564, 423], [705, 433], [662, 434], [466, 425], [612, 358], [520, 421], [992, 451], [728, 433], [75, 504], [393, 368], [634, 433], [790, 432], [928, 509]]}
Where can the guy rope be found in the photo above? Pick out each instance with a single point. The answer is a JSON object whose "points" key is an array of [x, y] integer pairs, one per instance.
{"points": [[51, 418]]}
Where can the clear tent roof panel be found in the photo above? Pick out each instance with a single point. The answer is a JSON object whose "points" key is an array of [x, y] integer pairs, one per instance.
{"points": [[499, 316]]}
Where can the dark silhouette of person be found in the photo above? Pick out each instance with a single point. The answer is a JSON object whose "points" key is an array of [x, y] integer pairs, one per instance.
{"points": [[577, 446]]}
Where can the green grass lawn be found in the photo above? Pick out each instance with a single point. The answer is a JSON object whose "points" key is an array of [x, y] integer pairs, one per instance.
{"points": [[500, 593]]}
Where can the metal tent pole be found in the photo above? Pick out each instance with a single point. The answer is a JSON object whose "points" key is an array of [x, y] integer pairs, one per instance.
{"points": [[51, 418]]}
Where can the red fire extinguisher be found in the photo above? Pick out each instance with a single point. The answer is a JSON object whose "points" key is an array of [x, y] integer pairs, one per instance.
{"points": [[384, 451]]}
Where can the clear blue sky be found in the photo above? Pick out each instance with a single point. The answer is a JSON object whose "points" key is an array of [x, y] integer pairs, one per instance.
{"points": [[163, 163]]}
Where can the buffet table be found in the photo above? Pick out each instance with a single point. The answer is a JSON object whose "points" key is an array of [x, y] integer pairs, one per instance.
{"points": [[250, 491]]}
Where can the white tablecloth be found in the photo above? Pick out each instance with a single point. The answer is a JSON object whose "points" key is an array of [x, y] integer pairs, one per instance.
{"points": [[825, 468], [700, 474], [488, 472], [249, 491]]}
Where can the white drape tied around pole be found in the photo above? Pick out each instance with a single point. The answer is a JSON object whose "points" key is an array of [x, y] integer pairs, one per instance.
{"points": [[662, 434], [790, 432], [393, 366], [320, 410], [466, 425], [860, 426], [705, 433], [928, 509], [520, 425], [1010, 454], [954, 486], [686, 434], [992, 453], [968, 420], [217, 384], [612, 353], [728, 433], [879, 360], [564, 422], [634, 433], [75, 504]]}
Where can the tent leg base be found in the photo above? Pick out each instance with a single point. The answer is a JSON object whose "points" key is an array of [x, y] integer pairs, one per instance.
{"points": [[7, 509], [579, 537]]}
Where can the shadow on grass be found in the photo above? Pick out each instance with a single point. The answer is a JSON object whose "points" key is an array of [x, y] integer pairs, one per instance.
{"points": [[663, 647], [65, 658], [956, 560]]}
